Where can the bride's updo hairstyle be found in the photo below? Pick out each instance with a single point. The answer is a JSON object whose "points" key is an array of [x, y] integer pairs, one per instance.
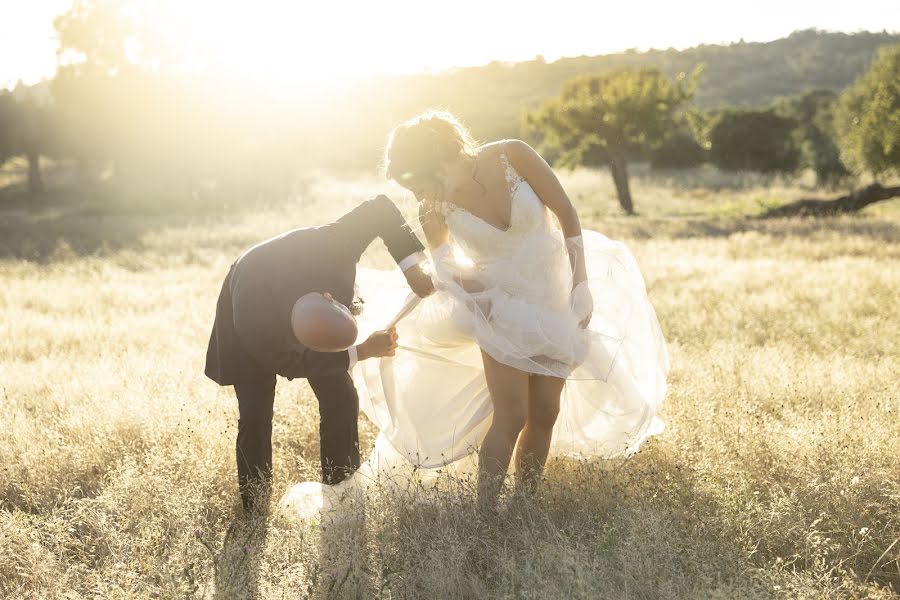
{"points": [[418, 146]]}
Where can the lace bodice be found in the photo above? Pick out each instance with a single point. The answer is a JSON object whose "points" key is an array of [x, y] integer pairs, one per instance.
{"points": [[482, 240], [527, 262]]}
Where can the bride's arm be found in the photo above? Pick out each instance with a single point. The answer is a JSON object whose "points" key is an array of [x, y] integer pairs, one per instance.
{"points": [[530, 165]]}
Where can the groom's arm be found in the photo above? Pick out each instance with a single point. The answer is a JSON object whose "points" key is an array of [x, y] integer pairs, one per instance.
{"points": [[299, 361], [304, 362], [278, 351], [379, 217]]}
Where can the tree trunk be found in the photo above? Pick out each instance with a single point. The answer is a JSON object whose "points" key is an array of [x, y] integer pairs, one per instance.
{"points": [[814, 207], [619, 169], [35, 181]]}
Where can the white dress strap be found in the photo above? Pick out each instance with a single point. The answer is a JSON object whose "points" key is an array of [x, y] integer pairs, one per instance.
{"points": [[513, 179]]}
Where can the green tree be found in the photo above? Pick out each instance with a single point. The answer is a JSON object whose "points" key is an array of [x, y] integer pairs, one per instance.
{"points": [[753, 140], [94, 35], [814, 134], [98, 87], [28, 128], [8, 122], [867, 119], [600, 117], [680, 149]]}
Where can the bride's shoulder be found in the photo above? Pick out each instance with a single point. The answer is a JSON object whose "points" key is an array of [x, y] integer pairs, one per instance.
{"points": [[499, 147], [517, 149], [513, 150], [490, 147], [516, 157], [504, 153]]}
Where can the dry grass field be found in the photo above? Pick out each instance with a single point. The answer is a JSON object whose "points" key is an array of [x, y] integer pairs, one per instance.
{"points": [[778, 475]]}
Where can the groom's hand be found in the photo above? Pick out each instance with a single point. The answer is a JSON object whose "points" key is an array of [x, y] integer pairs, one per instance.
{"points": [[419, 281], [380, 343]]}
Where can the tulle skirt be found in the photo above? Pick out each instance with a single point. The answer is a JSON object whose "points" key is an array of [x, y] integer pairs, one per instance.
{"points": [[431, 402]]}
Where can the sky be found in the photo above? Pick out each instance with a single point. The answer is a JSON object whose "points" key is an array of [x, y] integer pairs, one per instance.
{"points": [[299, 40]]}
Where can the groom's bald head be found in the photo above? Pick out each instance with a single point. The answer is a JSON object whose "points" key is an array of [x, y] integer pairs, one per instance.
{"points": [[321, 323]]}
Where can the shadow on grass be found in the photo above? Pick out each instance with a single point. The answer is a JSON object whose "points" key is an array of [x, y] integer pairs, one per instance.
{"points": [[62, 222], [693, 227], [236, 563], [629, 532], [651, 527]]}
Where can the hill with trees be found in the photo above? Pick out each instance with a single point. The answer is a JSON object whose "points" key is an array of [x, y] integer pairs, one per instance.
{"points": [[742, 74], [142, 115]]}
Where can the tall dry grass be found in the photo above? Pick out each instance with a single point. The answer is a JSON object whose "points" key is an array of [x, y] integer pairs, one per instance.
{"points": [[778, 474]]}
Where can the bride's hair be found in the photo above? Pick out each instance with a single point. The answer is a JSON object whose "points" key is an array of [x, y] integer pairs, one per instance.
{"points": [[416, 147]]}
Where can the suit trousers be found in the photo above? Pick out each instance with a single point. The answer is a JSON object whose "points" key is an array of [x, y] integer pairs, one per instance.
{"points": [[338, 431]]}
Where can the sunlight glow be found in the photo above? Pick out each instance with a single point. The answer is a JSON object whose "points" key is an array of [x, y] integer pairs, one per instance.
{"points": [[294, 42]]}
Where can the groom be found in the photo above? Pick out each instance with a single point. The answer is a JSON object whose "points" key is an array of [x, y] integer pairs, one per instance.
{"points": [[253, 340]]}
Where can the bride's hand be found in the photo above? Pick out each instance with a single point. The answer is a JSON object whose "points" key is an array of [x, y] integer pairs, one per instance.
{"points": [[475, 287], [419, 281], [583, 303]]}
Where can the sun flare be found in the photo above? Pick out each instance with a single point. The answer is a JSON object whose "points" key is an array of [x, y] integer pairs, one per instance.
{"points": [[295, 42], [299, 42]]}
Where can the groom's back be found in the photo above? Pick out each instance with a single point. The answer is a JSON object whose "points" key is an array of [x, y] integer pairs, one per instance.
{"points": [[260, 290]]}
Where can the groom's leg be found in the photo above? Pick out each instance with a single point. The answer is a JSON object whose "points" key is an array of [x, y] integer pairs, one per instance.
{"points": [[338, 433], [254, 440]]}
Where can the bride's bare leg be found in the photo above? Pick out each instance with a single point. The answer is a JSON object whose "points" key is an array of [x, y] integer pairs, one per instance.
{"points": [[534, 443], [509, 395]]}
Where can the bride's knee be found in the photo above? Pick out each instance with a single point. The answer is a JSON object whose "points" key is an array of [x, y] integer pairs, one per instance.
{"points": [[543, 415], [511, 419]]}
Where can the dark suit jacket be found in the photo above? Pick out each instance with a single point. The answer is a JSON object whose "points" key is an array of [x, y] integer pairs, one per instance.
{"points": [[252, 336]]}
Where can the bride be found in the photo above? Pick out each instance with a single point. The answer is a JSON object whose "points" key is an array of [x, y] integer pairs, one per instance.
{"points": [[539, 335], [517, 275]]}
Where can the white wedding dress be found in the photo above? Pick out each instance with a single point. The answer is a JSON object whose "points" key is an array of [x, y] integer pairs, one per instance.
{"points": [[431, 403]]}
